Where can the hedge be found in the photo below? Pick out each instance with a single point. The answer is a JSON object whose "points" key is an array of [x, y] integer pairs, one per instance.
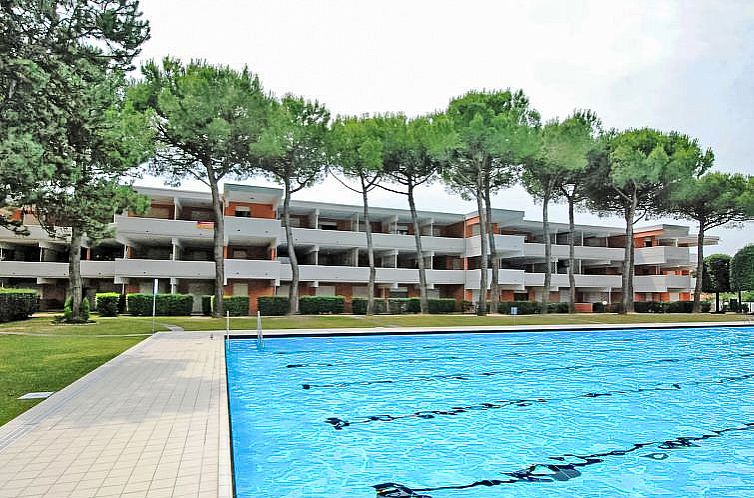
{"points": [[236, 305], [317, 305], [107, 303], [557, 308], [391, 306], [18, 304], [524, 307], [207, 305], [447, 305], [166, 305], [272, 305], [672, 307]]}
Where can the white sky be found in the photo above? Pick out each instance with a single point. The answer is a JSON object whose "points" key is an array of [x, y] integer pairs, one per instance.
{"points": [[687, 66]]}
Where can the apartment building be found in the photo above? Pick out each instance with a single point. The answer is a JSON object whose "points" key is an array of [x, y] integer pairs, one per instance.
{"points": [[172, 242]]}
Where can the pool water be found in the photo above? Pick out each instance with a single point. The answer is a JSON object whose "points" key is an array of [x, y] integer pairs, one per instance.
{"points": [[602, 413]]}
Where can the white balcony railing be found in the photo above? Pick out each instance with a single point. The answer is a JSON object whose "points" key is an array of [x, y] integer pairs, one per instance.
{"points": [[537, 250], [382, 241], [560, 280], [154, 268], [43, 269], [660, 255], [663, 283], [258, 269], [505, 245], [358, 274]]}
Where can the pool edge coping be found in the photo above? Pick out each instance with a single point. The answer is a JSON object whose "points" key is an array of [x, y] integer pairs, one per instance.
{"points": [[371, 331]]}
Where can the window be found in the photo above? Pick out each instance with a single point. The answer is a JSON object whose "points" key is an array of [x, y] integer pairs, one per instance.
{"points": [[239, 254], [325, 290], [241, 289], [243, 212]]}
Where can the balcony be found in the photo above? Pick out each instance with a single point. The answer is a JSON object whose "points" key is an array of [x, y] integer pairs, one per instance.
{"points": [[250, 268], [663, 283], [313, 273], [42, 269], [509, 279], [560, 280], [661, 255], [237, 229], [345, 239], [155, 268], [560, 251], [505, 246]]}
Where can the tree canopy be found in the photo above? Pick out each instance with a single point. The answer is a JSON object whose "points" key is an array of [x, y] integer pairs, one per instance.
{"points": [[742, 269]]}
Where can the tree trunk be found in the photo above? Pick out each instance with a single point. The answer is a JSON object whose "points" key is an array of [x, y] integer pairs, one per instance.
{"points": [[481, 308], [293, 290], [370, 249], [548, 254], [699, 269], [494, 284], [717, 302], [571, 259], [628, 263], [75, 285], [218, 242], [419, 252]]}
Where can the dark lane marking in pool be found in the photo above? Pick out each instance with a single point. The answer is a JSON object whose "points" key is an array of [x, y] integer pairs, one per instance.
{"points": [[548, 472], [436, 358], [473, 375], [339, 424]]}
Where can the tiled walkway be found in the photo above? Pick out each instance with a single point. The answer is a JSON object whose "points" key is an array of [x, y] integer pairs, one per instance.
{"points": [[151, 422]]}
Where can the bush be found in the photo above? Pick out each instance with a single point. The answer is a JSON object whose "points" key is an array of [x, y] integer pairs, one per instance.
{"points": [[679, 307], [642, 306], [391, 306], [706, 306], [83, 312], [557, 308], [524, 307], [598, 308], [447, 305], [317, 305], [166, 304], [107, 303], [18, 304], [236, 305], [272, 305], [121, 303]]}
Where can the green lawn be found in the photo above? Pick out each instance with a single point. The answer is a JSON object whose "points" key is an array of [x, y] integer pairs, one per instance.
{"points": [[42, 363]]}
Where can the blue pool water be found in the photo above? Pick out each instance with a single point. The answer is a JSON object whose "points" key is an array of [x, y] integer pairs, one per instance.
{"points": [[609, 413]]}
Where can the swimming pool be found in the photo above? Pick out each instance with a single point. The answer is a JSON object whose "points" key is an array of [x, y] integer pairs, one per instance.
{"points": [[599, 413]]}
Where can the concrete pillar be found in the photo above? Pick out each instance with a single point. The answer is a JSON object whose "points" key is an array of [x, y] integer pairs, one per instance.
{"points": [[173, 285]]}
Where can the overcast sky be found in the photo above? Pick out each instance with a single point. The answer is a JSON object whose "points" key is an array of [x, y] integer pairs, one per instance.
{"points": [[686, 66]]}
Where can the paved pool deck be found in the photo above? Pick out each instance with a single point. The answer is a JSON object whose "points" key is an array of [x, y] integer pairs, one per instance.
{"points": [[153, 422]]}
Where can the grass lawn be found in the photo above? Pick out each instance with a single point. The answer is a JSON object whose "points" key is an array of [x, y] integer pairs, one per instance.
{"points": [[43, 363]]}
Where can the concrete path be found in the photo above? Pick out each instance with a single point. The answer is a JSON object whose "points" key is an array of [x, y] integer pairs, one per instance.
{"points": [[151, 422]]}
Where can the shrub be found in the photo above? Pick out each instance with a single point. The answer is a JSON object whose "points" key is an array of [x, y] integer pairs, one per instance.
{"points": [[121, 303], [641, 306], [107, 303], [392, 306], [524, 307], [165, 305], [316, 305], [706, 306], [679, 307], [557, 308], [598, 308], [236, 305], [447, 305], [18, 304], [207, 305], [83, 312], [272, 305]]}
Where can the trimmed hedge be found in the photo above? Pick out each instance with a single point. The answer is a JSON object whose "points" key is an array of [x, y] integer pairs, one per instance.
{"points": [[18, 304], [672, 307], [166, 305], [236, 305], [317, 305], [107, 303], [557, 308], [272, 305], [446, 305], [391, 306], [83, 312], [524, 307]]}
